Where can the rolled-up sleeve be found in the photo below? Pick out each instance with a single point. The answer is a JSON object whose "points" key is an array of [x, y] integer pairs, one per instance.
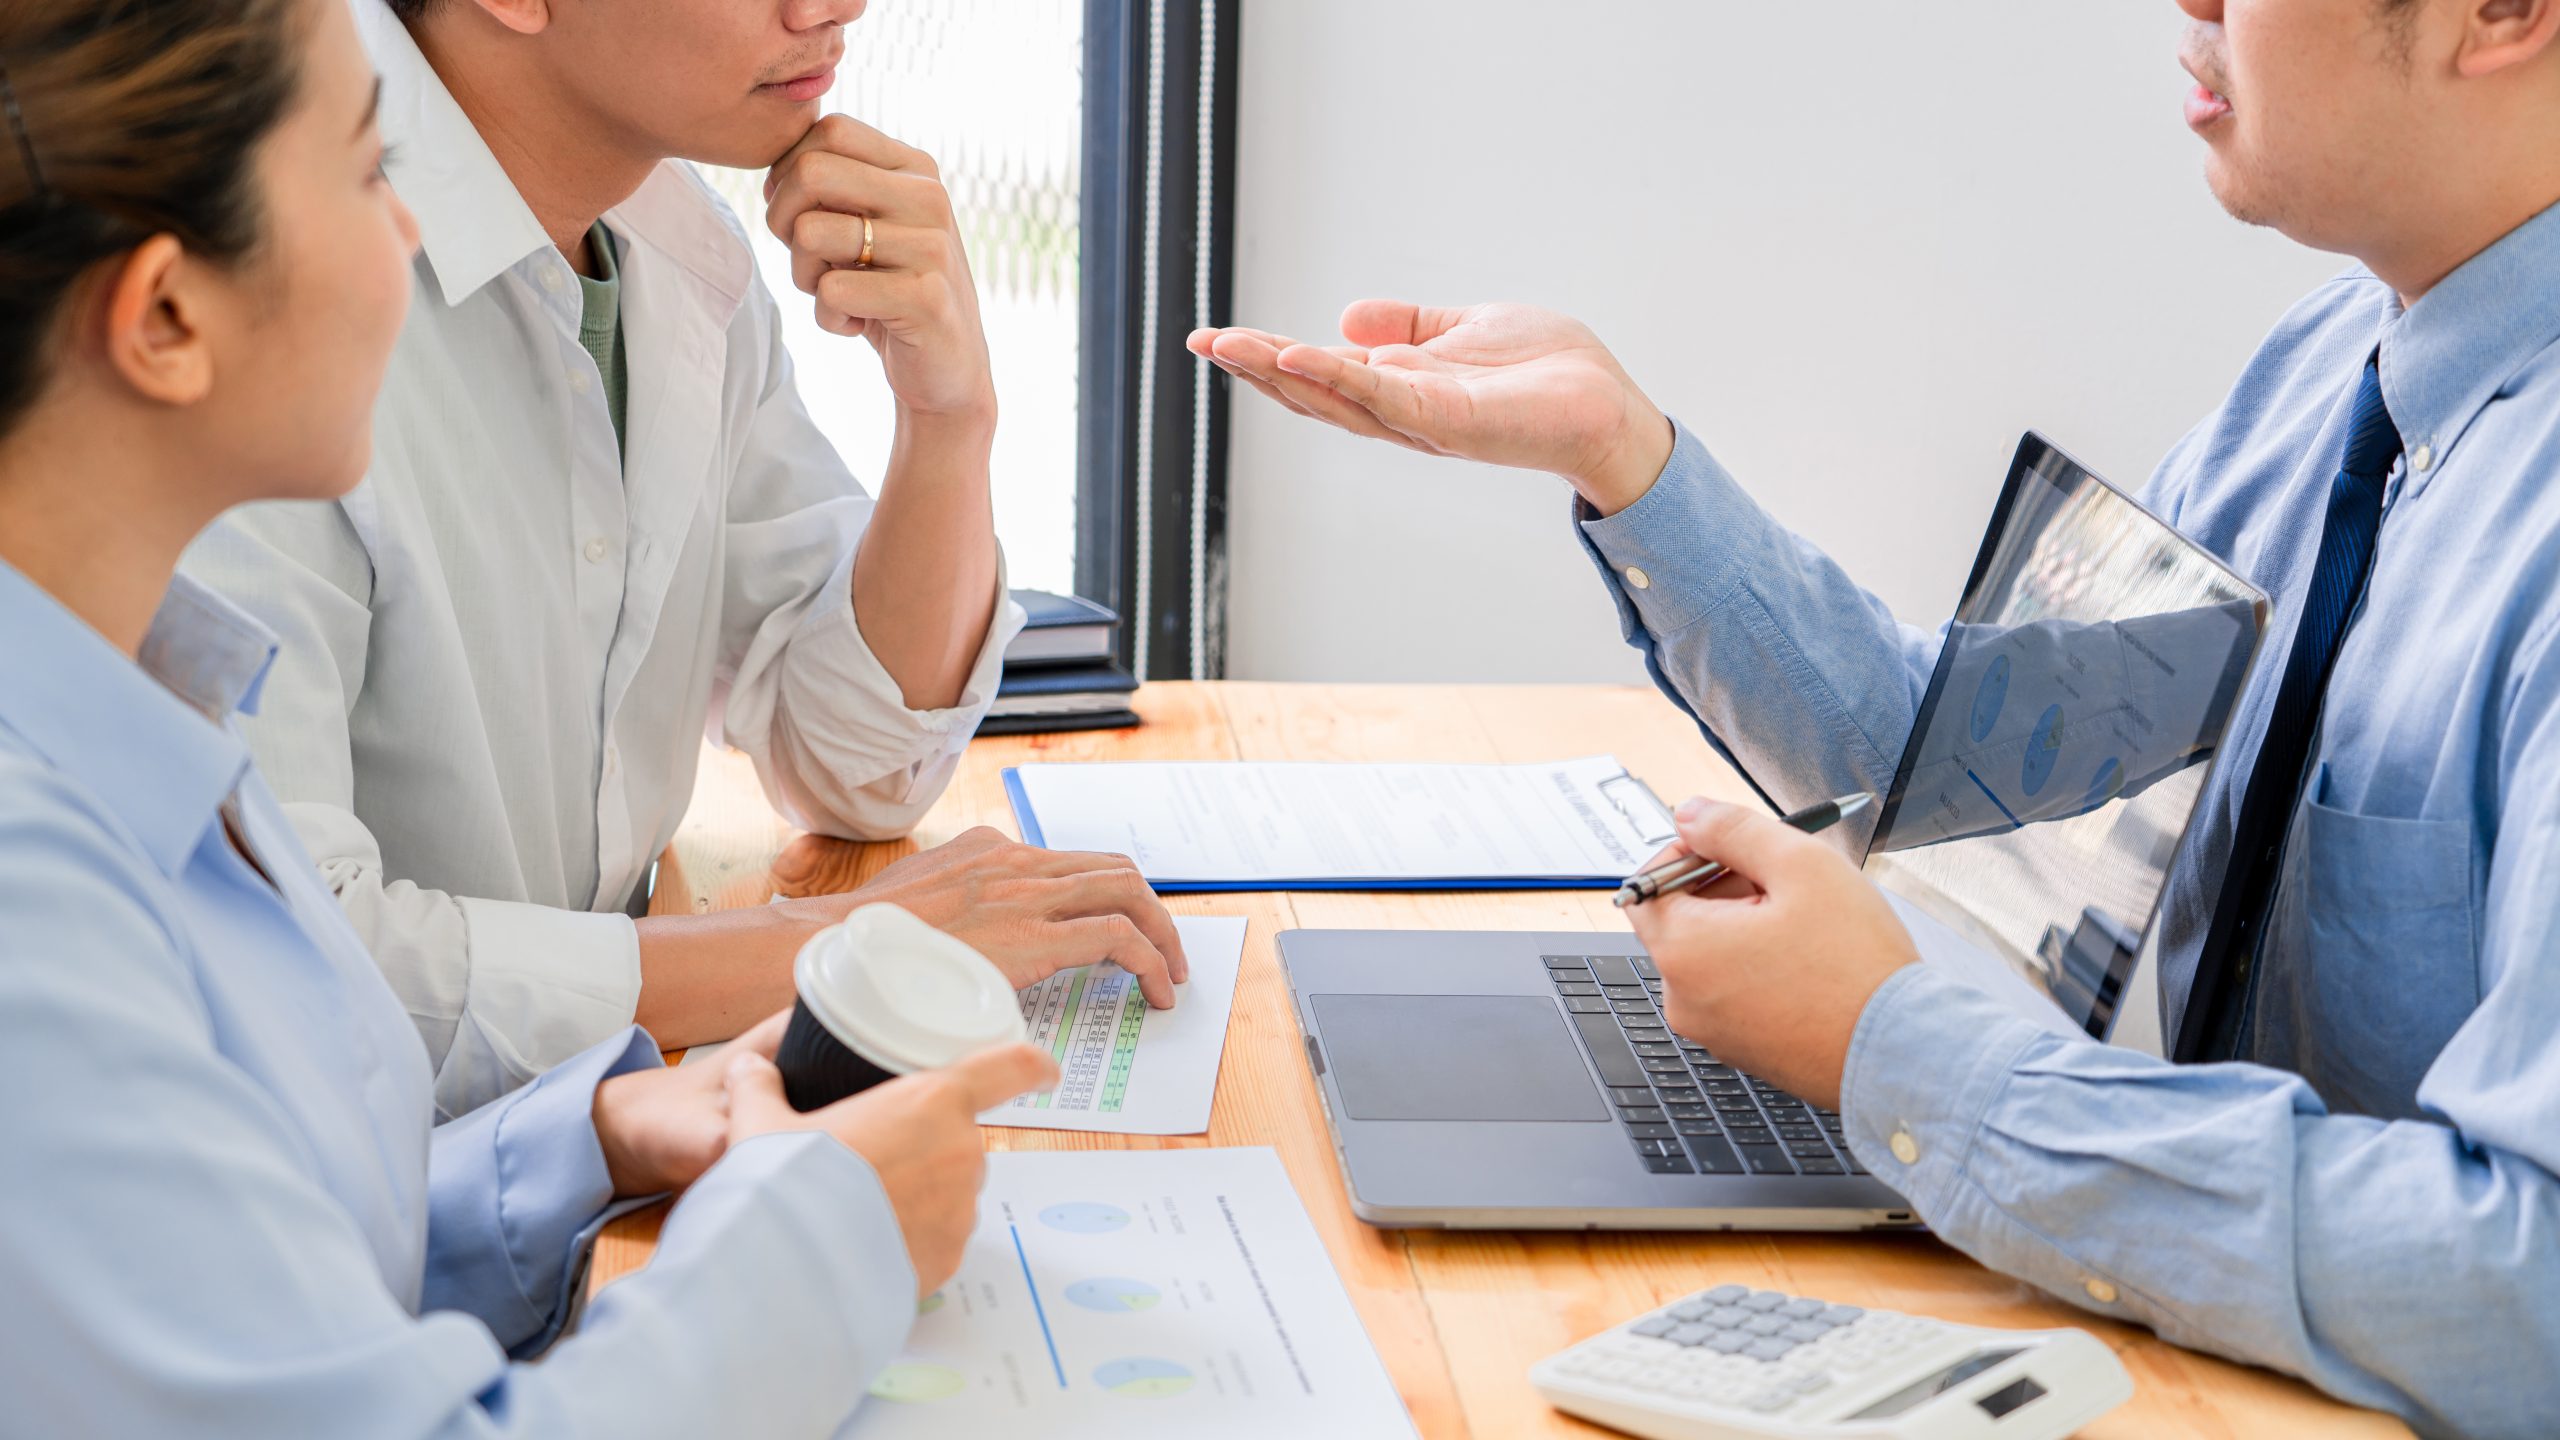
{"points": [[1798, 677], [801, 691]]}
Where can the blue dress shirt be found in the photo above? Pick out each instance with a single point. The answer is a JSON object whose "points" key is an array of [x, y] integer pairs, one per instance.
{"points": [[224, 1212], [2371, 1203]]}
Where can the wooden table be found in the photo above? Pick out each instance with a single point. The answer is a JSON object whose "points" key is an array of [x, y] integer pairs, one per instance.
{"points": [[1457, 1316]]}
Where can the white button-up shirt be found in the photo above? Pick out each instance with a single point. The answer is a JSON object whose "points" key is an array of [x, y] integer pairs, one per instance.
{"points": [[501, 652]]}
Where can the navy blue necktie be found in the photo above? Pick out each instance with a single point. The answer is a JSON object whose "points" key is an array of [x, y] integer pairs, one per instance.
{"points": [[2225, 968]]}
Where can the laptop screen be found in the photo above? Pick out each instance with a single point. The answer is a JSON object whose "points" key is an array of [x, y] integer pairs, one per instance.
{"points": [[2079, 696]]}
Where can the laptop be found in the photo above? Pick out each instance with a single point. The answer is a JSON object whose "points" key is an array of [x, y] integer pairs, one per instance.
{"points": [[1526, 1080]]}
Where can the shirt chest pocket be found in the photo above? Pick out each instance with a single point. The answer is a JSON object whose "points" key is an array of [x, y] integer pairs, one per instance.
{"points": [[2389, 970]]}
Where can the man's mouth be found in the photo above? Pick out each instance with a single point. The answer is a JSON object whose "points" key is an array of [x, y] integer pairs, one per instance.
{"points": [[2205, 106], [2206, 103], [809, 83]]}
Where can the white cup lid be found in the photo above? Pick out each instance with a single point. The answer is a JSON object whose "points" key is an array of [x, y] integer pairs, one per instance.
{"points": [[903, 995]]}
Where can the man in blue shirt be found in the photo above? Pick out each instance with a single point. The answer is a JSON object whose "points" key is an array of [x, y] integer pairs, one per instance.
{"points": [[2365, 1195]]}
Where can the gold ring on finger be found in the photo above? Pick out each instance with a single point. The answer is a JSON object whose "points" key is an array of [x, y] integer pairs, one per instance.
{"points": [[863, 260]]}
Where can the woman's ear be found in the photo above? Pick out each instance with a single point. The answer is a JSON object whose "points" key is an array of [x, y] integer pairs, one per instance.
{"points": [[154, 319]]}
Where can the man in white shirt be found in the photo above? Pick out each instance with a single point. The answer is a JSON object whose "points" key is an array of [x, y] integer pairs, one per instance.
{"points": [[599, 520]]}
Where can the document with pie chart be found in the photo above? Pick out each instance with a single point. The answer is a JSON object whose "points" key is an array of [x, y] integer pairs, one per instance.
{"points": [[1119, 1294]]}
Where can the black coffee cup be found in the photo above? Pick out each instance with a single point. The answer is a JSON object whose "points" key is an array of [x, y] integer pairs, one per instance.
{"points": [[883, 994]]}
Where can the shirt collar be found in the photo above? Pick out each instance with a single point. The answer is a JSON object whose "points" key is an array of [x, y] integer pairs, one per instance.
{"points": [[473, 225], [2446, 357], [150, 740]]}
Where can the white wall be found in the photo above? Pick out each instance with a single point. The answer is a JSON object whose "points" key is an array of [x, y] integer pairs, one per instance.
{"points": [[1858, 247]]}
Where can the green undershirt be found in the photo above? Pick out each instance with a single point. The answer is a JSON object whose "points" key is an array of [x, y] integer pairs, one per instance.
{"points": [[600, 326]]}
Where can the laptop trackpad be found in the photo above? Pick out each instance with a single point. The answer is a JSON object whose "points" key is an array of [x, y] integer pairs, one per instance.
{"points": [[1454, 1057]]}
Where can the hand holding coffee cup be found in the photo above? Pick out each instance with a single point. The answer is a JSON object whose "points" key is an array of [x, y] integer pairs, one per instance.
{"points": [[900, 1037], [919, 1133], [883, 994]]}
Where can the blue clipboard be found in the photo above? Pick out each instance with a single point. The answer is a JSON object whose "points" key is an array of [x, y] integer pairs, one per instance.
{"points": [[1020, 800]]}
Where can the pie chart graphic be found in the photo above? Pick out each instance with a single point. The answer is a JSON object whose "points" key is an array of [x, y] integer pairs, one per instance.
{"points": [[1085, 1217], [1114, 1296], [2044, 750], [1989, 696], [2108, 784], [1142, 1378], [910, 1383]]}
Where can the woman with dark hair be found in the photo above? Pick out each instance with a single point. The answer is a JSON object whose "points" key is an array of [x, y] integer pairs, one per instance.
{"points": [[226, 1210]]}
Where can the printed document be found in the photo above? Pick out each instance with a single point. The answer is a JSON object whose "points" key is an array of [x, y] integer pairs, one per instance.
{"points": [[1121, 1294], [1126, 1067], [1270, 825]]}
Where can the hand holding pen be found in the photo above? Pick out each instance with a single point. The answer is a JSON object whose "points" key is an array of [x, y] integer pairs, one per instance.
{"points": [[1690, 873]]}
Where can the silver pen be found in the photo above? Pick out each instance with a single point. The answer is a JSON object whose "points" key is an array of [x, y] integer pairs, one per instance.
{"points": [[1689, 872]]}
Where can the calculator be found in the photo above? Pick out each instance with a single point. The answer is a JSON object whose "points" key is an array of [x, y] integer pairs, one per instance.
{"points": [[1734, 1363]]}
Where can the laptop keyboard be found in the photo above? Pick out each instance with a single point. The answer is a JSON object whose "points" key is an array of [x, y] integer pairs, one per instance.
{"points": [[1686, 1114]]}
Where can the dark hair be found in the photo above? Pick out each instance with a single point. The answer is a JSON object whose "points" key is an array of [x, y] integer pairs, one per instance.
{"points": [[409, 10], [121, 120]]}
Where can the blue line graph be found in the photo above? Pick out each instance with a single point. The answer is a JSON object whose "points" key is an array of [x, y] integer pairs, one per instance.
{"points": [[1036, 1307], [2014, 822]]}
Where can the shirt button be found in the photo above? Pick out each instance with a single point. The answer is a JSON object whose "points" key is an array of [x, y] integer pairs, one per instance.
{"points": [[2101, 1291], [2423, 458], [1639, 579], [596, 550], [1905, 1149], [578, 381], [551, 280]]}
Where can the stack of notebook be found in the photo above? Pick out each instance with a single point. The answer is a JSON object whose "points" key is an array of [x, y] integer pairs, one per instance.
{"points": [[1058, 673]]}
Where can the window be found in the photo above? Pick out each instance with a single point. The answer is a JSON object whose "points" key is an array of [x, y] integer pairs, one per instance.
{"points": [[992, 89], [1088, 146]]}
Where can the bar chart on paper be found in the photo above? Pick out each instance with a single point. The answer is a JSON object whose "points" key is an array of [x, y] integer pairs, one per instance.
{"points": [[1124, 1066]]}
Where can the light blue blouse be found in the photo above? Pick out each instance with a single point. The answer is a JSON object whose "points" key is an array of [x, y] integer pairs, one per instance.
{"points": [[224, 1211]]}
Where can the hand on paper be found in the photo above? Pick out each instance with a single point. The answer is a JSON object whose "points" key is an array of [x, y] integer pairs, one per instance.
{"points": [[919, 1133], [1505, 384], [1036, 912], [1771, 966], [660, 1129], [915, 301]]}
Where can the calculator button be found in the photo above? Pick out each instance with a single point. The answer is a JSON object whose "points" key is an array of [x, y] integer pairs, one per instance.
{"points": [[1690, 1335], [1726, 1294], [1765, 1324], [1769, 1348], [1841, 1314], [1801, 1309], [1694, 1308], [1730, 1342], [1763, 1301], [1659, 1325], [1802, 1331]]}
